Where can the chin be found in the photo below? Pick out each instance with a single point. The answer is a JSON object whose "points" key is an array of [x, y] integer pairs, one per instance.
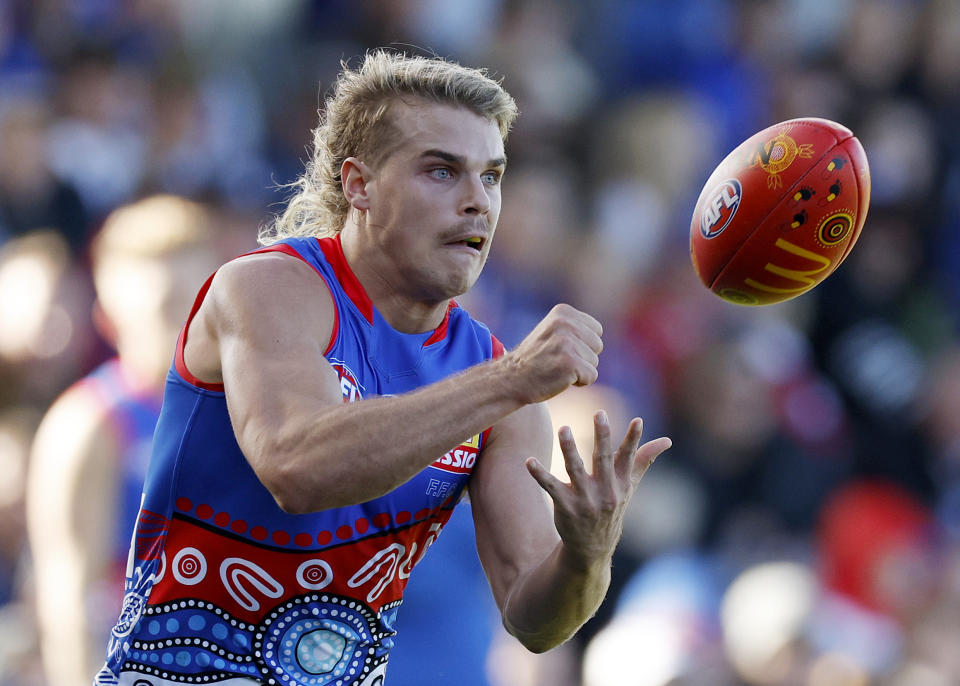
{"points": [[455, 286]]}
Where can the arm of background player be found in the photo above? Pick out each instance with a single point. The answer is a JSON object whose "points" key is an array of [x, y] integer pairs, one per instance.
{"points": [[71, 509], [263, 329], [550, 572]]}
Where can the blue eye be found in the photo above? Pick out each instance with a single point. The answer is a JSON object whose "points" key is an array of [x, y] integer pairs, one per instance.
{"points": [[441, 173], [491, 178]]}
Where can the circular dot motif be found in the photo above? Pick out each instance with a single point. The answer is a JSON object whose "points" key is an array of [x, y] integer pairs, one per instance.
{"points": [[835, 228], [204, 511], [314, 574], [324, 537], [189, 566], [318, 652], [322, 642]]}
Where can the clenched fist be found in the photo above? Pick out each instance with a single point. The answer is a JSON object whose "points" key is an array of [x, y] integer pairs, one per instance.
{"points": [[562, 350]]}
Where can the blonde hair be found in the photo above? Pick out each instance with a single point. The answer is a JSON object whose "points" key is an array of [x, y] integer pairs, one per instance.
{"points": [[356, 123]]}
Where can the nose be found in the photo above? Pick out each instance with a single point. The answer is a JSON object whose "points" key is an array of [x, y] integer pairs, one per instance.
{"points": [[476, 199]]}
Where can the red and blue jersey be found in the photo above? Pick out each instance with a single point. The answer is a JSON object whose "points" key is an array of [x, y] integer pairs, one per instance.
{"points": [[131, 413], [222, 585]]}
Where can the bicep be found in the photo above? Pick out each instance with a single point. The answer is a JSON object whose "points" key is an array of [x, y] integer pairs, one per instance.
{"points": [[272, 323], [512, 514]]}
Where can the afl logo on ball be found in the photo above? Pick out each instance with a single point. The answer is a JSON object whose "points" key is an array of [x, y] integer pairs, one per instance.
{"points": [[721, 205]]}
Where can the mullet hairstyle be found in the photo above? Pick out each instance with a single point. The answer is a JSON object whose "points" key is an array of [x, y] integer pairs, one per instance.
{"points": [[356, 122]]}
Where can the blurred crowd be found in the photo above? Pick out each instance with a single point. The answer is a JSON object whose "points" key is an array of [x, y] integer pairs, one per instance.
{"points": [[805, 528]]}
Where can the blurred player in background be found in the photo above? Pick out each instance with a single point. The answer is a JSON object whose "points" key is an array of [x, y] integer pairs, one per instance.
{"points": [[90, 454], [281, 518]]}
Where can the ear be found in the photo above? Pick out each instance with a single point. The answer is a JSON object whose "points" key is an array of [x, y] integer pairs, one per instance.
{"points": [[354, 177]]}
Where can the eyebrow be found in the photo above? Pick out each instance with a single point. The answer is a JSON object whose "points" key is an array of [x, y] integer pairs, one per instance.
{"points": [[460, 159]]}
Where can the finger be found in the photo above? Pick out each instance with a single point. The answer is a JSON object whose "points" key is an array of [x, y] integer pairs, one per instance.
{"points": [[586, 375], [628, 447], [592, 323], [603, 468], [548, 482], [572, 461], [592, 340], [586, 353], [585, 367], [646, 455]]}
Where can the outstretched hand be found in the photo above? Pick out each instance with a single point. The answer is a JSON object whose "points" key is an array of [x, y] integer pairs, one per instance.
{"points": [[588, 512]]}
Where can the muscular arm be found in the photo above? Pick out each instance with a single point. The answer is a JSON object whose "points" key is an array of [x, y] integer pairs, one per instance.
{"points": [[71, 537], [549, 573], [544, 596], [263, 329]]}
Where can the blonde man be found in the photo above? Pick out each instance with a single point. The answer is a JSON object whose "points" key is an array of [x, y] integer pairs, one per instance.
{"points": [[330, 403], [90, 454]]}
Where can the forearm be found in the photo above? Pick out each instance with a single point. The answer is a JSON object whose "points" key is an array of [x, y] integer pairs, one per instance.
{"points": [[349, 453], [549, 604]]}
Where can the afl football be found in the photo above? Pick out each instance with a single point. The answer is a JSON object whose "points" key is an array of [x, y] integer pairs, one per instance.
{"points": [[781, 212]]}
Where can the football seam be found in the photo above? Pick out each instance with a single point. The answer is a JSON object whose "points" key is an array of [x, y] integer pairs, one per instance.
{"points": [[856, 234]]}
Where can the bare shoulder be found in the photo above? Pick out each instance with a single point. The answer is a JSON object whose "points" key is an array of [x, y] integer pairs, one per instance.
{"points": [[70, 429], [251, 283], [255, 297]]}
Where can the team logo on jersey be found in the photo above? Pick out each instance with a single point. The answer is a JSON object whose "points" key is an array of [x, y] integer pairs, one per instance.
{"points": [[460, 460], [349, 386], [718, 211]]}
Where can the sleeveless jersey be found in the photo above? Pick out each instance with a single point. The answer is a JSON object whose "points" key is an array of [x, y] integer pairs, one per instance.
{"points": [[132, 417], [224, 586]]}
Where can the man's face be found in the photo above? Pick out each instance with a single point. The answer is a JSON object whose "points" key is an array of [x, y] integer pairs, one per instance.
{"points": [[435, 200]]}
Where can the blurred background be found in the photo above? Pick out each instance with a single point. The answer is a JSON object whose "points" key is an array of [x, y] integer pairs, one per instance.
{"points": [[805, 528]]}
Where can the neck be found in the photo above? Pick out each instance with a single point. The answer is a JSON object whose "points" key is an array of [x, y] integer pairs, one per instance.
{"points": [[145, 366], [403, 310]]}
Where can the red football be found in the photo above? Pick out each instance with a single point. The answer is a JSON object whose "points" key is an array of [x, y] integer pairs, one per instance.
{"points": [[781, 212]]}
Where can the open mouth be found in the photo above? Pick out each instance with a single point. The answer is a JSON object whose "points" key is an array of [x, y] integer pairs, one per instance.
{"points": [[475, 242]]}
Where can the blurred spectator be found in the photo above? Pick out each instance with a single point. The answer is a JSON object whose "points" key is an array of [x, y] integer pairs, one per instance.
{"points": [[46, 340], [98, 143], [764, 616], [19, 663], [31, 197], [664, 630], [149, 260]]}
